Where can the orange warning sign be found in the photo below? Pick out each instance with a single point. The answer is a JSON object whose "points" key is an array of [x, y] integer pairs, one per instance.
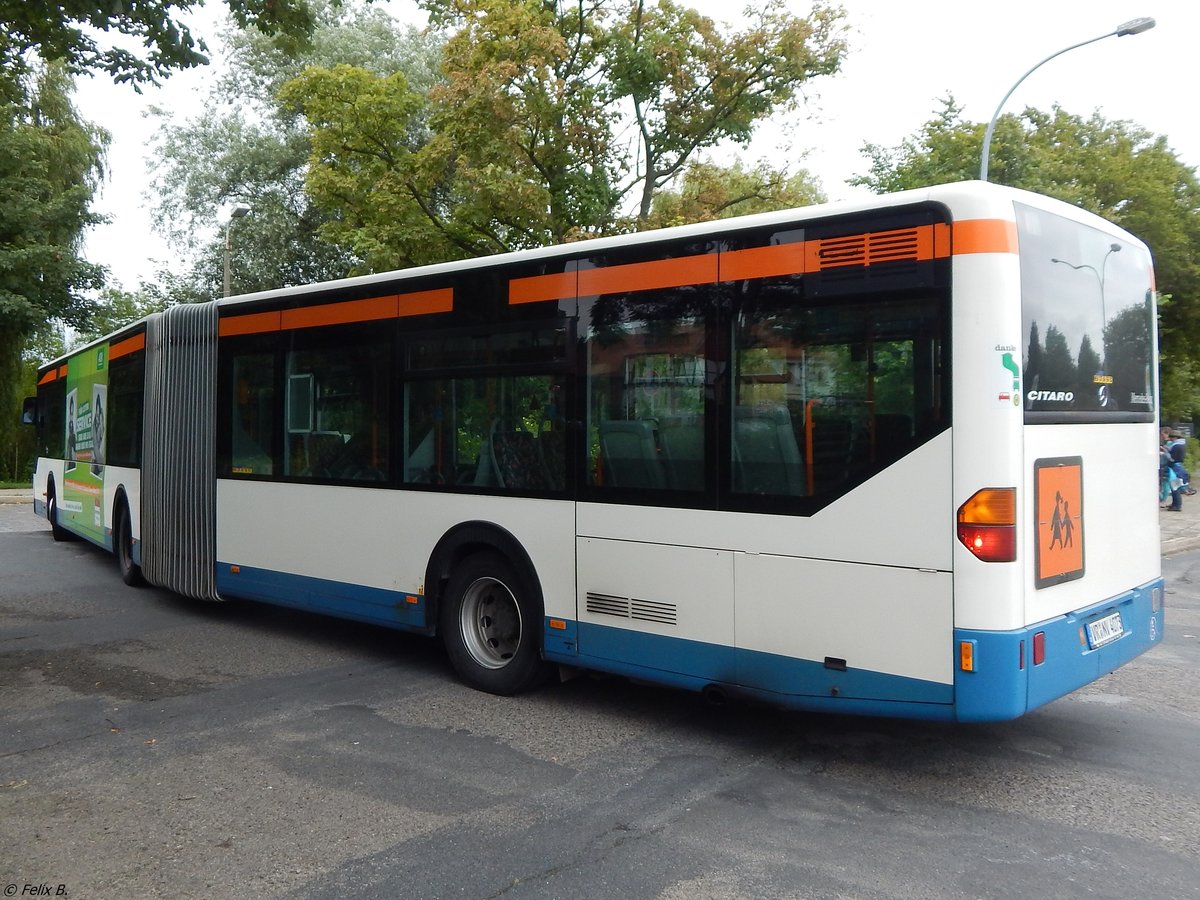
{"points": [[1058, 499]]}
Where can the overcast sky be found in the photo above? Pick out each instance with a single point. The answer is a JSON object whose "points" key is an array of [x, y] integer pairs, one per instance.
{"points": [[903, 58]]}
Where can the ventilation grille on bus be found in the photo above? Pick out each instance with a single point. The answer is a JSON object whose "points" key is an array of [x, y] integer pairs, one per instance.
{"points": [[880, 260], [870, 249], [632, 608]]}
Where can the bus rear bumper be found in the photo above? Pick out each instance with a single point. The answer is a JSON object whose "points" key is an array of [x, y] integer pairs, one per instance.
{"points": [[1007, 681]]}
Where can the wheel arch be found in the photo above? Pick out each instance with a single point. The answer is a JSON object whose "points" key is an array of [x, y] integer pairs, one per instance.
{"points": [[121, 495], [466, 539]]}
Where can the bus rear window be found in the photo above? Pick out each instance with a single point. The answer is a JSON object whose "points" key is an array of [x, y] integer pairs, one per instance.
{"points": [[1087, 315]]}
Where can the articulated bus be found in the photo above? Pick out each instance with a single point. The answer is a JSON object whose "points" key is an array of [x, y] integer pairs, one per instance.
{"points": [[893, 457]]}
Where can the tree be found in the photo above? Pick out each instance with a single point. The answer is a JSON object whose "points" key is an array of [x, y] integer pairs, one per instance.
{"points": [[66, 31], [708, 191], [692, 87], [249, 148], [1114, 169], [115, 308], [50, 164], [552, 121]]}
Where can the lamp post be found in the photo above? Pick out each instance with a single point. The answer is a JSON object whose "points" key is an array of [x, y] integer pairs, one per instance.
{"points": [[237, 213], [1133, 26], [1099, 273]]}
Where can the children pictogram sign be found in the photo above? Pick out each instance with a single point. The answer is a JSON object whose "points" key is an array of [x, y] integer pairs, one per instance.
{"points": [[1058, 501]]}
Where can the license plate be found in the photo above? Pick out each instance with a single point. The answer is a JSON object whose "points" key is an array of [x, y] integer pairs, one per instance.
{"points": [[1104, 630]]}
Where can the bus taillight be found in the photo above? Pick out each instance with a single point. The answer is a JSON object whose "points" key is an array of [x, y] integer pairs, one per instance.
{"points": [[987, 524]]}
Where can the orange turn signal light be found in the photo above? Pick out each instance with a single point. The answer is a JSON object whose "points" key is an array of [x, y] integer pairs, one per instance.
{"points": [[966, 656]]}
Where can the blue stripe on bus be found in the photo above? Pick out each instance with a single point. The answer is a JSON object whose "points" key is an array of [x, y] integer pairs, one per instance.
{"points": [[395, 609], [1004, 685], [1000, 688], [796, 683]]}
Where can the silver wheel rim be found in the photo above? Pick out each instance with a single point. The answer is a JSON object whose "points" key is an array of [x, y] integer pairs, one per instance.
{"points": [[490, 622]]}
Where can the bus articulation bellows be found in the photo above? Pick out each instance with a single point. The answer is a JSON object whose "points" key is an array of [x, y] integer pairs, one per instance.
{"points": [[892, 457]]}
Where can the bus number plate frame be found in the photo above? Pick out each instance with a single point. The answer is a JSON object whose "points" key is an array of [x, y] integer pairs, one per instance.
{"points": [[1104, 630]]}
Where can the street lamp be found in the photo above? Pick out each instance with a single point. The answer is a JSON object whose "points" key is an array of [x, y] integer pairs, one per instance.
{"points": [[237, 213], [1133, 26], [1099, 273]]}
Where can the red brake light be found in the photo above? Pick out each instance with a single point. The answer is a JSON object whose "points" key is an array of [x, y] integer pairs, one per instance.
{"points": [[987, 524]]}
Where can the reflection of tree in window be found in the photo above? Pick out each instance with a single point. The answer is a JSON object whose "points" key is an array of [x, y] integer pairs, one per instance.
{"points": [[1127, 346], [1058, 369], [1033, 359], [1087, 389]]}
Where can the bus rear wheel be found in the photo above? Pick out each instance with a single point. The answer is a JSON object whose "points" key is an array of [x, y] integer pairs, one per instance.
{"points": [[131, 572], [490, 626]]}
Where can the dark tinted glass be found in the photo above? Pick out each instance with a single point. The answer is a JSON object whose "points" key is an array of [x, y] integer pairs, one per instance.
{"points": [[1087, 322]]}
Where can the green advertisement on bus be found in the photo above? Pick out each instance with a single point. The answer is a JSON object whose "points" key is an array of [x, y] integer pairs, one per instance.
{"points": [[87, 401]]}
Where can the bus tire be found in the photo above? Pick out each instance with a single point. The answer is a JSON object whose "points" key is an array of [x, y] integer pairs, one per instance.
{"points": [[57, 531], [131, 572], [490, 626]]}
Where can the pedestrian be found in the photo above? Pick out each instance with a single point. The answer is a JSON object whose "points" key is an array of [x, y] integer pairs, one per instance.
{"points": [[1177, 446], [1172, 484]]}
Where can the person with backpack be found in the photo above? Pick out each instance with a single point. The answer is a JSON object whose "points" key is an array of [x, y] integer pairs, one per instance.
{"points": [[1177, 447]]}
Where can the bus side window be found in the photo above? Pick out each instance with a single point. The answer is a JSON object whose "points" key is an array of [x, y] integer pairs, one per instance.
{"points": [[825, 396], [338, 403], [253, 414], [647, 366], [498, 431]]}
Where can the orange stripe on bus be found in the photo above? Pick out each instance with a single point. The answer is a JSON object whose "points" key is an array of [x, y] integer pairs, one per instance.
{"points": [[542, 287], [419, 303], [62, 371], [649, 276], [985, 236], [763, 262], [48, 377], [390, 306], [127, 346], [254, 323], [339, 313], [941, 240]]}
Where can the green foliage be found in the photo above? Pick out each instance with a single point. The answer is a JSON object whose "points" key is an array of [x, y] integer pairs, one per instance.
{"points": [[50, 162], [115, 308], [708, 191], [363, 124], [1114, 169], [529, 127], [251, 148], [692, 87], [67, 31]]}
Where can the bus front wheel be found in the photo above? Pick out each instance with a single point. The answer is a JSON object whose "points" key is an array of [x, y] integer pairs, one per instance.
{"points": [[59, 533], [131, 572], [490, 626]]}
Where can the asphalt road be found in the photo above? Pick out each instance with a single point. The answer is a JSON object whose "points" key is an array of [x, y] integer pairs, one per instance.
{"points": [[153, 747]]}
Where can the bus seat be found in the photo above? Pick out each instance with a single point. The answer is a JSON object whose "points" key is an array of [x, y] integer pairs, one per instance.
{"points": [[766, 454], [630, 454], [551, 442], [892, 432], [322, 449], [832, 438], [419, 465], [682, 440], [485, 475], [517, 458]]}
